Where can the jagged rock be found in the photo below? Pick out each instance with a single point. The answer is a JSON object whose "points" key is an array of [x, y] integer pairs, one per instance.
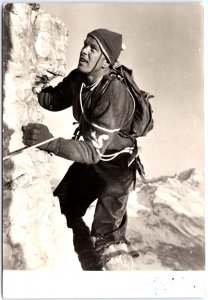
{"points": [[50, 44], [35, 234]]}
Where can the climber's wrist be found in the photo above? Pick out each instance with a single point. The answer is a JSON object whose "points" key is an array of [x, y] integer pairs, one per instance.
{"points": [[54, 146], [38, 88]]}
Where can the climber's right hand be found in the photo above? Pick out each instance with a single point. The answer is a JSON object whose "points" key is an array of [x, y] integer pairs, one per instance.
{"points": [[43, 80], [35, 133]]}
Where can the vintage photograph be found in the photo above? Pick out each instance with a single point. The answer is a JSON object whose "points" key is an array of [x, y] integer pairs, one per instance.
{"points": [[103, 137]]}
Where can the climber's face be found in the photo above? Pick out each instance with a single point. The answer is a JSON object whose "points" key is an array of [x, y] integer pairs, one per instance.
{"points": [[91, 58]]}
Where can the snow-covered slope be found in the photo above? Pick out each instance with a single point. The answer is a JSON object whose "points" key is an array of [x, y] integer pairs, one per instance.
{"points": [[166, 224]]}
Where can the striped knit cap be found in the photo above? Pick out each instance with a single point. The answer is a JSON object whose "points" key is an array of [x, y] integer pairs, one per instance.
{"points": [[110, 43]]}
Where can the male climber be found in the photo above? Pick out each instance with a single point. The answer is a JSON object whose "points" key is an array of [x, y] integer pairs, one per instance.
{"points": [[102, 146]]}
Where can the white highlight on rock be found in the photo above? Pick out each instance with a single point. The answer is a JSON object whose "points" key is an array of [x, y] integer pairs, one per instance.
{"points": [[36, 236]]}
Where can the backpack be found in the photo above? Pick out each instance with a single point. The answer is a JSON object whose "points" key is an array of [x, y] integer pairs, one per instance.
{"points": [[142, 121]]}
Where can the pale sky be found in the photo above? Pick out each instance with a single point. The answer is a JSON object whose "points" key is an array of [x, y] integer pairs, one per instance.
{"points": [[164, 47]]}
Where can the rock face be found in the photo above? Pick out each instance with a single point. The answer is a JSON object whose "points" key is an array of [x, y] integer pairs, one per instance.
{"points": [[35, 235]]}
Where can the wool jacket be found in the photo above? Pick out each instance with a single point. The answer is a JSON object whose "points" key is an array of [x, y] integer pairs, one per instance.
{"points": [[101, 118]]}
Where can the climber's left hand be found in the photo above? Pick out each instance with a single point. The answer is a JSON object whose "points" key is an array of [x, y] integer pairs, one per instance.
{"points": [[35, 133]]}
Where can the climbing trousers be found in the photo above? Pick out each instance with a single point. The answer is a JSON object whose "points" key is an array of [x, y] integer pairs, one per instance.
{"points": [[109, 182]]}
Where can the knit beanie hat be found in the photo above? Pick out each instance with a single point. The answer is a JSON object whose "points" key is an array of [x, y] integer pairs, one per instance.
{"points": [[110, 43]]}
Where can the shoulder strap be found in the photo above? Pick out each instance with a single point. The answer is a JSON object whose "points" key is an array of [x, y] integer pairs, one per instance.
{"points": [[102, 87], [104, 84]]}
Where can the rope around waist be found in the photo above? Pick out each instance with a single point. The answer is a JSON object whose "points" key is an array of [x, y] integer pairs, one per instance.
{"points": [[109, 157]]}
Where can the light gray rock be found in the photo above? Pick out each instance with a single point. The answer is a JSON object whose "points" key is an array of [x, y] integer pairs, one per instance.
{"points": [[35, 232]]}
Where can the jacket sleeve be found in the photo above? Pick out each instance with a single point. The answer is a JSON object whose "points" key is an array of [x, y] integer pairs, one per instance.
{"points": [[60, 97], [109, 115]]}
